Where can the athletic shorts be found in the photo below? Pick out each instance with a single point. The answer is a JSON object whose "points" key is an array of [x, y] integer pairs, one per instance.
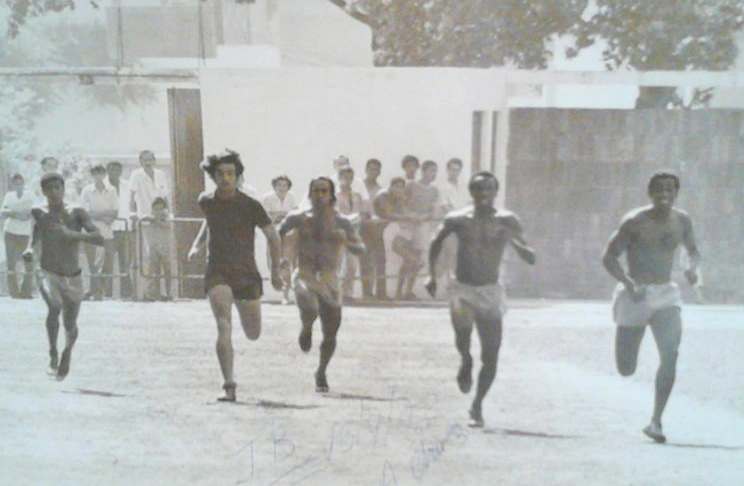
{"points": [[628, 313], [488, 300], [245, 285], [58, 288]]}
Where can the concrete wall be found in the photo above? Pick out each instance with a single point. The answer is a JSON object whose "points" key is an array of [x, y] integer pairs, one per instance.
{"points": [[296, 121], [574, 173]]}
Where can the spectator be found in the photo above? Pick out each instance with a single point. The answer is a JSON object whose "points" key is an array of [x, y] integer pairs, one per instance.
{"points": [[351, 204], [123, 242], [102, 204], [278, 203], [158, 234], [16, 208], [423, 200], [357, 185], [410, 165], [455, 195], [145, 185], [48, 165], [371, 232]]}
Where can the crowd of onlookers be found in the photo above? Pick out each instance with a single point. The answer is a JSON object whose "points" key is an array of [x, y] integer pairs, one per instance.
{"points": [[402, 216]]}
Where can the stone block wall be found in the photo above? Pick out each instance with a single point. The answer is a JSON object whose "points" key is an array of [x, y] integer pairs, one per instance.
{"points": [[574, 173]]}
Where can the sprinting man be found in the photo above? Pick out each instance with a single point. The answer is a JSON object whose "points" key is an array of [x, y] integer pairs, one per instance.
{"points": [[645, 294], [232, 275], [483, 233], [58, 227], [322, 235]]}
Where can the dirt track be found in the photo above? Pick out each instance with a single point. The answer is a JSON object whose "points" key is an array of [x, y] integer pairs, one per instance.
{"points": [[139, 405]]}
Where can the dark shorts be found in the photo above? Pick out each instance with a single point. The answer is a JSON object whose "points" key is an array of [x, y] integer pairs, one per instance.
{"points": [[245, 285]]}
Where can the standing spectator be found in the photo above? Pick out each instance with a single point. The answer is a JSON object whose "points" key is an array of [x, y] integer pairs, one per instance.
{"points": [[351, 204], [48, 165], [410, 165], [422, 199], [159, 236], [455, 195], [145, 185], [123, 243], [102, 204], [278, 203], [371, 232], [16, 208], [357, 185]]}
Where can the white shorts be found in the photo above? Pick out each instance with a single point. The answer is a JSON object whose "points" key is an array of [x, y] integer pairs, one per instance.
{"points": [[628, 313], [488, 300], [57, 288]]}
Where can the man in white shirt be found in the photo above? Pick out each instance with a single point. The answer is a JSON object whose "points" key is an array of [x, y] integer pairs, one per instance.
{"points": [[145, 185], [357, 185], [455, 195], [278, 203], [16, 208], [373, 266], [123, 242], [102, 203], [454, 191]]}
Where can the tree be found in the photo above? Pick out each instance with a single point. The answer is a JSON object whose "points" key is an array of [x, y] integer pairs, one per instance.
{"points": [[659, 35], [638, 34], [475, 33]]}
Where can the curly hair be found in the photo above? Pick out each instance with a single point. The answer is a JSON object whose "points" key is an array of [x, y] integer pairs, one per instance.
{"points": [[209, 165]]}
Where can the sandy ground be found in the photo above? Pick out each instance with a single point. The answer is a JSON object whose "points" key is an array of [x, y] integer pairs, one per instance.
{"points": [[139, 405]]}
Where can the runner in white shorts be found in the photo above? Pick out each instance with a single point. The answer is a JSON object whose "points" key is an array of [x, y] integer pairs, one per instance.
{"points": [[59, 228], [483, 233], [645, 295]]}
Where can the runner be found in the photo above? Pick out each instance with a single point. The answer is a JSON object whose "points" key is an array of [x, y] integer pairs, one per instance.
{"points": [[232, 275], [322, 236], [483, 233], [58, 227], [645, 294]]}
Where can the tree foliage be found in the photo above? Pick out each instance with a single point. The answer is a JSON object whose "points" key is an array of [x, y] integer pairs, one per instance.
{"points": [[663, 35], [476, 33]]}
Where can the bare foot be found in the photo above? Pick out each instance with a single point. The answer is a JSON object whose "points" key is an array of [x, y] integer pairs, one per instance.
{"points": [[229, 395]]}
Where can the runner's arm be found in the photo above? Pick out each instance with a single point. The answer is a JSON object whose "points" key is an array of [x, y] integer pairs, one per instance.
{"points": [[353, 241], [615, 247], [518, 241], [91, 235], [275, 252], [688, 240]]}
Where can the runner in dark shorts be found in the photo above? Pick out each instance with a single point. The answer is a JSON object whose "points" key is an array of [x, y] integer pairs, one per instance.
{"points": [[232, 275], [323, 237], [59, 228]]}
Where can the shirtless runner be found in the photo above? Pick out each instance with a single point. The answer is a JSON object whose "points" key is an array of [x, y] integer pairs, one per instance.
{"points": [[323, 236], [646, 295], [483, 234], [59, 227]]}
